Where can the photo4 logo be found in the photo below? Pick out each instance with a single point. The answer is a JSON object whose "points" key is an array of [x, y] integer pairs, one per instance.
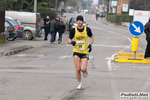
{"points": [[141, 14], [134, 95]]}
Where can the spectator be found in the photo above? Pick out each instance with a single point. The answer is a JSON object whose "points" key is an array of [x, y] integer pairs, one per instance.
{"points": [[131, 21], [61, 29], [52, 26], [147, 32], [64, 19], [57, 23], [97, 15], [46, 28]]}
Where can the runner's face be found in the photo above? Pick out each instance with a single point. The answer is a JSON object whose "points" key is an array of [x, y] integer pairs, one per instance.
{"points": [[80, 23]]}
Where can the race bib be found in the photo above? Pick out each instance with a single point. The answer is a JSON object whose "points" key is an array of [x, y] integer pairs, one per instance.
{"points": [[80, 45]]}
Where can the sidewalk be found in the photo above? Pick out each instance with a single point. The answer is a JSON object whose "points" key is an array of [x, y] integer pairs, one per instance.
{"points": [[127, 56], [108, 23], [14, 47]]}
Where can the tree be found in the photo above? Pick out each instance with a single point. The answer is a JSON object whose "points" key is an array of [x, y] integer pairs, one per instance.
{"points": [[14, 4], [86, 3], [140, 4], [26, 4], [71, 2]]}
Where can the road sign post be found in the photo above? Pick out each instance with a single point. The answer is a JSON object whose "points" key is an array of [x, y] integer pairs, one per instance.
{"points": [[136, 28]]}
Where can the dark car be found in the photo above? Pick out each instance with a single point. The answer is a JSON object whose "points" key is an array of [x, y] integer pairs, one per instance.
{"points": [[73, 23], [17, 25], [10, 31], [101, 14]]}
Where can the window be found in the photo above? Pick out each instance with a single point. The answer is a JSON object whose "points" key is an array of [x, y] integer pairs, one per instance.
{"points": [[6, 24]]}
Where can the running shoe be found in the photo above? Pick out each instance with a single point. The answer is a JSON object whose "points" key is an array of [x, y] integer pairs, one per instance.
{"points": [[79, 87], [85, 74]]}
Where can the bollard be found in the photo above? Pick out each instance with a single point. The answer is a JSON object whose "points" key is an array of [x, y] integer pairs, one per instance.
{"points": [[135, 44]]}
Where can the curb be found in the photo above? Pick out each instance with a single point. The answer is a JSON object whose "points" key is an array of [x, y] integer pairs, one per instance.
{"points": [[129, 58], [16, 50], [130, 54]]}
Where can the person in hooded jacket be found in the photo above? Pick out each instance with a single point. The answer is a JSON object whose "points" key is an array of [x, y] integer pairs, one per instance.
{"points": [[52, 29], [61, 30], [147, 32]]}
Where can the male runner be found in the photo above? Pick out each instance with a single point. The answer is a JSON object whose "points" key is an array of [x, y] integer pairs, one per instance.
{"points": [[81, 49]]}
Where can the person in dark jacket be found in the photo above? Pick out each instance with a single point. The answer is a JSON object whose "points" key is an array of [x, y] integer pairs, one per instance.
{"points": [[147, 32], [57, 23], [46, 28], [97, 15], [52, 26], [61, 30]]}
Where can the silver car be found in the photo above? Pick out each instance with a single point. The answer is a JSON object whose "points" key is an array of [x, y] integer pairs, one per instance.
{"points": [[31, 22]]}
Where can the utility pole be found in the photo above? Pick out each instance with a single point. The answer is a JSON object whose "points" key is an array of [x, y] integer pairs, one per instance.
{"points": [[35, 5], [109, 5], [56, 6]]}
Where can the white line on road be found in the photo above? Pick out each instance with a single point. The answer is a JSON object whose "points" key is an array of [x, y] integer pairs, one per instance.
{"points": [[145, 86], [23, 66], [114, 89], [112, 46], [109, 46], [63, 57]]}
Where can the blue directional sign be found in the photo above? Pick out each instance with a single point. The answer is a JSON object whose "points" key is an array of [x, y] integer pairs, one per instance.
{"points": [[136, 28]]}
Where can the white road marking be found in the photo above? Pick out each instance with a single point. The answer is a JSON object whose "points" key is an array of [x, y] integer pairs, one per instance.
{"points": [[97, 28], [109, 46], [109, 58], [141, 49], [112, 46], [145, 86], [114, 89], [23, 66], [63, 57], [21, 55], [29, 55], [91, 57], [40, 56]]}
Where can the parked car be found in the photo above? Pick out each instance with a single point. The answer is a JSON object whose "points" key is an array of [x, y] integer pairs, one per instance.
{"points": [[42, 26], [10, 31], [73, 23], [31, 22], [101, 14], [17, 25]]}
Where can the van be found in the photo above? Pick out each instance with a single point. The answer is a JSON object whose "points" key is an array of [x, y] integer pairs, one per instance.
{"points": [[31, 22]]}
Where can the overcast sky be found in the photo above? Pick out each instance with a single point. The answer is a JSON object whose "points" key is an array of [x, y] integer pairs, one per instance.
{"points": [[95, 1]]}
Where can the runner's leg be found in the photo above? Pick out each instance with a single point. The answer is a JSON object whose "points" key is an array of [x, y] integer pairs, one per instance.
{"points": [[78, 69], [84, 62]]}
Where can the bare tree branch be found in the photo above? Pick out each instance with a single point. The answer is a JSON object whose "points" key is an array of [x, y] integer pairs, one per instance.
{"points": [[29, 5]]}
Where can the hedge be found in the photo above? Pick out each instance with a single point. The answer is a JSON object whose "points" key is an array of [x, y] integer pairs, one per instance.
{"points": [[119, 18], [2, 38], [46, 12]]}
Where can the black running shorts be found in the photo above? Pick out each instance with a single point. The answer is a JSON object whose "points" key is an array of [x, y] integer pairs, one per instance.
{"points": [[81, 55]]}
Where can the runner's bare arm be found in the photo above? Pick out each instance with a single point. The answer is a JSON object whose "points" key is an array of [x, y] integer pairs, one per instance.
{"points": [[92, 39], [69, 41]]}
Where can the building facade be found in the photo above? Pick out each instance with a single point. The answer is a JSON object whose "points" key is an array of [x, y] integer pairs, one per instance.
{"points": [[120, 5]]}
